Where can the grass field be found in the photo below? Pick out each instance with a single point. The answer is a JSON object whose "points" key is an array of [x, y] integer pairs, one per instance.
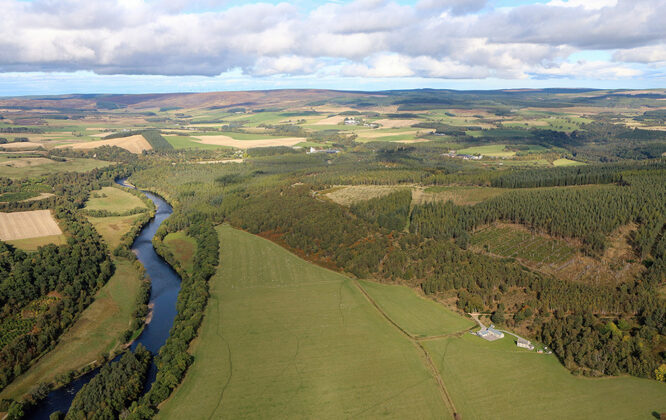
{"points": [[418, 316], [97, 331], [184, 142], [515, 242], [135, 144], [182, 247], [32, 244], [498, 380], [492, 150], [71, 165], [113, 200], [283, 338], [113, 228], [566, 162]]}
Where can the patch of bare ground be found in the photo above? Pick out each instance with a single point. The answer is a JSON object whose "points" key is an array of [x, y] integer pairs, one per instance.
{"points": [[247, 144], [346, 195], [617, 265]]}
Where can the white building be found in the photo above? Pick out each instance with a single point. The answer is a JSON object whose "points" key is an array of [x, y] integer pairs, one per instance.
{"points": [[524, 344]]}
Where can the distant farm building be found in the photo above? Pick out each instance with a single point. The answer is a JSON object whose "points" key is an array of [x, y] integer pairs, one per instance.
{"points": [[524, 344], [351, 121], [328, 151], [490, 333]]}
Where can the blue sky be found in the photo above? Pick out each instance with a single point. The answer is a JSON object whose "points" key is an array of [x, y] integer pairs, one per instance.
{"points": [[140, 46]]}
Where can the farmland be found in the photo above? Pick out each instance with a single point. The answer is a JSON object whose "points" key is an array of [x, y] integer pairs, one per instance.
{"points": [[112, 228], [419, 316], [113, 200], [47, 166], [134, 144], [329, 356], [27, 224], [509, 241], [498, 380]]}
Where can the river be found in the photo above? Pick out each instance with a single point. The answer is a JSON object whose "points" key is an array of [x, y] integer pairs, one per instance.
{"points": [[165, 285]]}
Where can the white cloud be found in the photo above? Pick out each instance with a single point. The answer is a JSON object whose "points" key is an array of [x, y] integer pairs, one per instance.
{"points": [[449, 39]]}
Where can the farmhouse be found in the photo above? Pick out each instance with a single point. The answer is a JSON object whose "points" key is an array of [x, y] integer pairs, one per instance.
{"points": [[525, 344], [490, 333], [328, 151]]}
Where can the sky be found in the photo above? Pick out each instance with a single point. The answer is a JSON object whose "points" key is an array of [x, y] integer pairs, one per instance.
{"points": [[146, 46]]}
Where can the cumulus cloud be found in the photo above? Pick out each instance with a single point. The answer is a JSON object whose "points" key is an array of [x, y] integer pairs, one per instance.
{"points": [[450, 39]]}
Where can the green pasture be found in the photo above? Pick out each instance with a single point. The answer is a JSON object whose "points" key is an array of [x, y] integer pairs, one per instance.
{"points": [[31, 244], [113, 200], [498, 380], [184, 142], [182, 247], [419, 316], [283, 338], [566, 162], [112, 228], [492, 150]]}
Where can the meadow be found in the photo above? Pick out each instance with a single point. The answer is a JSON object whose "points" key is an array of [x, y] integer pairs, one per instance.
{"points": [[491, 150], [419, 316], [182, 247], [96, 332], [519, 243], [113, 200], [498, 380], [112, 228], [283, 338]]}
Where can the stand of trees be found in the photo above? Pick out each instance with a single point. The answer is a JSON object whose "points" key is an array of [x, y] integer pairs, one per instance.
{"points": [[109, 393]]}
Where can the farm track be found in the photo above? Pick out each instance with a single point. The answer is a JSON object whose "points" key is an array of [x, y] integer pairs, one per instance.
{"points": [[430, 364]]}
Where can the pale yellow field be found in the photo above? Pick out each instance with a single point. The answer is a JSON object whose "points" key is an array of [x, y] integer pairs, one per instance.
{"points": [[372, 134], [247, 144], [390, 123], [25, 145], [24, 162], [336, 119], [412, 141], [134, 144], [27, 224]]}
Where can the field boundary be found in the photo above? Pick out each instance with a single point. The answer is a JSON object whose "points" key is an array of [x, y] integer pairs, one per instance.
{"points": [[446, 397]]}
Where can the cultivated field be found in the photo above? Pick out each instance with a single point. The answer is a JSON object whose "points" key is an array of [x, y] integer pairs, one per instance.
{"points": [[283, 338], [134, 144], [517, 242], [185, 142], [97, 331], [247, 144], [113, 200], [566, 162], [27, 224], [497, 380], [419, 316]]}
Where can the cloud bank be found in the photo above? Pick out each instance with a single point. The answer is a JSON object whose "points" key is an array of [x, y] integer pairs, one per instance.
{"points": [[443, 39]]}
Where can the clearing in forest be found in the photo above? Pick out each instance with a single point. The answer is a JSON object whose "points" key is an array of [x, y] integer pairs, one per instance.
{"points": [[182, 247], [498, 380], [491, 150], [283, 338], [460, 195], [517, 242], [135, 144], [350, 194], [27, 224], [113, 228]]}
